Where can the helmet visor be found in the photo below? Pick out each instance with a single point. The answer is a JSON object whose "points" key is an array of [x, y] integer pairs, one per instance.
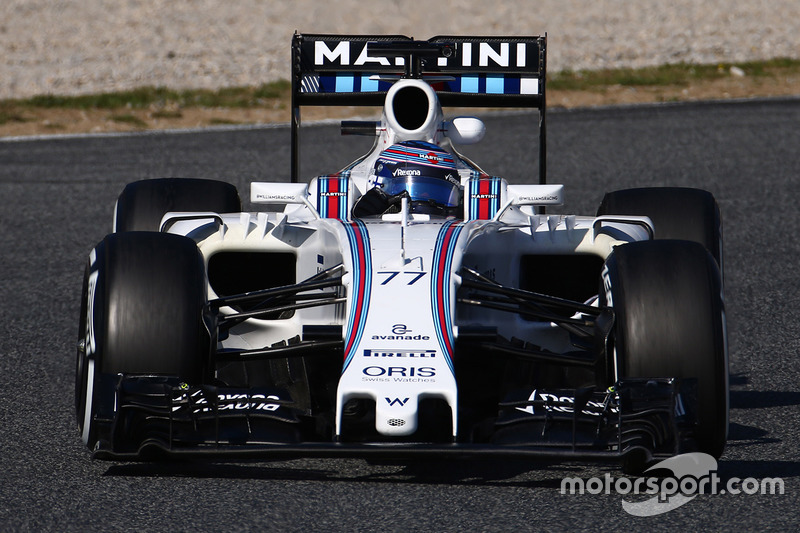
{"points": [[424, 189]]}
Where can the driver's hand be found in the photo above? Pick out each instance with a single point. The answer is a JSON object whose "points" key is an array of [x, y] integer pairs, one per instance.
{"points": [[376, 202]]}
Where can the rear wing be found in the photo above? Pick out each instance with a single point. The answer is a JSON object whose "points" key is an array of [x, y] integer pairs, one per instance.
{"points": [[358, 70]]}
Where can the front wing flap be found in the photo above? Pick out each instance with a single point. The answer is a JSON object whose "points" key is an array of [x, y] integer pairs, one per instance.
{"points": [[160, 417]]}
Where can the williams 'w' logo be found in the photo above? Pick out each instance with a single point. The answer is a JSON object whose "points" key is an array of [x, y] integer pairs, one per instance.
{"points": [[392, 402]]}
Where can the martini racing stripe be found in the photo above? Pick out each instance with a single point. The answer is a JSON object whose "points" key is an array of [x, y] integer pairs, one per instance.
{"points": [[351, 82], [491, 84], [484, 198], [419, 152], [361, 260], [332, 201], [440, 287], [344, 82]]}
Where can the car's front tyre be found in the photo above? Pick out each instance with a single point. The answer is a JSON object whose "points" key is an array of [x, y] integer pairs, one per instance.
{"points": [[670, 322], [142, 313]]}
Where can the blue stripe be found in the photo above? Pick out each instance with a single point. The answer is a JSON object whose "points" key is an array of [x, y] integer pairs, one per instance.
{"points": [[419, 155], [353, 329], [327, 84], [322, 203], [344, 200], [344, 84], [440, 254], [473, 202], [512, 85], [349, 82], [495, 84], [368, 85], [469, 84], [446, 293], [496, 193], [323, 200]]}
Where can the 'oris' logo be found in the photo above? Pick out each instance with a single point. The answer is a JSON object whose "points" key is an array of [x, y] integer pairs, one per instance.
{"points": [[400, 371]]}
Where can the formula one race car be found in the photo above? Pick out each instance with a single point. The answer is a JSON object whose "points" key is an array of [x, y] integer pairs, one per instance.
{"points": [[410, 304]]}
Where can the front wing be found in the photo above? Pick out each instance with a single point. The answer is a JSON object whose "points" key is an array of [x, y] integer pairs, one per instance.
{"points": [[161, 417]]}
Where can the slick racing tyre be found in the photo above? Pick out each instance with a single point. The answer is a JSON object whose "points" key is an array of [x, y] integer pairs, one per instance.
{"points": [[142, 204], [676, 212], [142, 313], [670, 322]]}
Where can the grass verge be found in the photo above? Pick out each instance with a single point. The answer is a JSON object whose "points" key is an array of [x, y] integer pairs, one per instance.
{"points": [[161, 107], [680, 74], [161, 97]]}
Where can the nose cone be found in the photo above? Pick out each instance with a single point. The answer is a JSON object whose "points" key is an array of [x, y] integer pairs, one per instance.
{"points": [[396, 416]]}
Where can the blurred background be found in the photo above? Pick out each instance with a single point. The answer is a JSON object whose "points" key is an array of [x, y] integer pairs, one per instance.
{"points": [[72, 47]]}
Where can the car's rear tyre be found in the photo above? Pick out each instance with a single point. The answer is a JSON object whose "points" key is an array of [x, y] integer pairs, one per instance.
{"points": [[142, 204], [677, 213], [670, 322], [142, 313]]}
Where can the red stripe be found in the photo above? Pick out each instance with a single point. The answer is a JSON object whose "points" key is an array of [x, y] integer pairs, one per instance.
{"points": [[484, 188], [440, 271], [358, 283], [333, 200]]}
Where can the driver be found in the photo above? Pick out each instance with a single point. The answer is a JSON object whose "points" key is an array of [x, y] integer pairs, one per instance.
{"points": [[420, 171]]}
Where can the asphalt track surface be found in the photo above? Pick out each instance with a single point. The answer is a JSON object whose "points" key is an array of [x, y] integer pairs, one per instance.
{"points": [[57, 197]]}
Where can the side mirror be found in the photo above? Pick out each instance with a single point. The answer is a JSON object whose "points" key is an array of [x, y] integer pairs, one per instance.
{"points": [[550, 194], [278, 193], [465, 130]]}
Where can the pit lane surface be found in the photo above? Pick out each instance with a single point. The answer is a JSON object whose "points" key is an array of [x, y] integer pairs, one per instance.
{"points": [[57, 197]]}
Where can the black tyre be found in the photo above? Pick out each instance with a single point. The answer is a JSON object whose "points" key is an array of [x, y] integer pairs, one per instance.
{"points": [[142, 204], [677, 213], [670, 322], [142, 313]]}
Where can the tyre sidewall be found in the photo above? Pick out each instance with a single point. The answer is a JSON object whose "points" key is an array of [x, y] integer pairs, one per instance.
{"points": [[89, 358]]}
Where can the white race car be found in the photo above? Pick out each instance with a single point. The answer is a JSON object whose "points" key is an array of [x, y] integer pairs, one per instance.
{"points": [[410, 304]]}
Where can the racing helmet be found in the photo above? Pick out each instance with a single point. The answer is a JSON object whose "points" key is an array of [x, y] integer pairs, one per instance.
{"points": [[423, 172]]}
